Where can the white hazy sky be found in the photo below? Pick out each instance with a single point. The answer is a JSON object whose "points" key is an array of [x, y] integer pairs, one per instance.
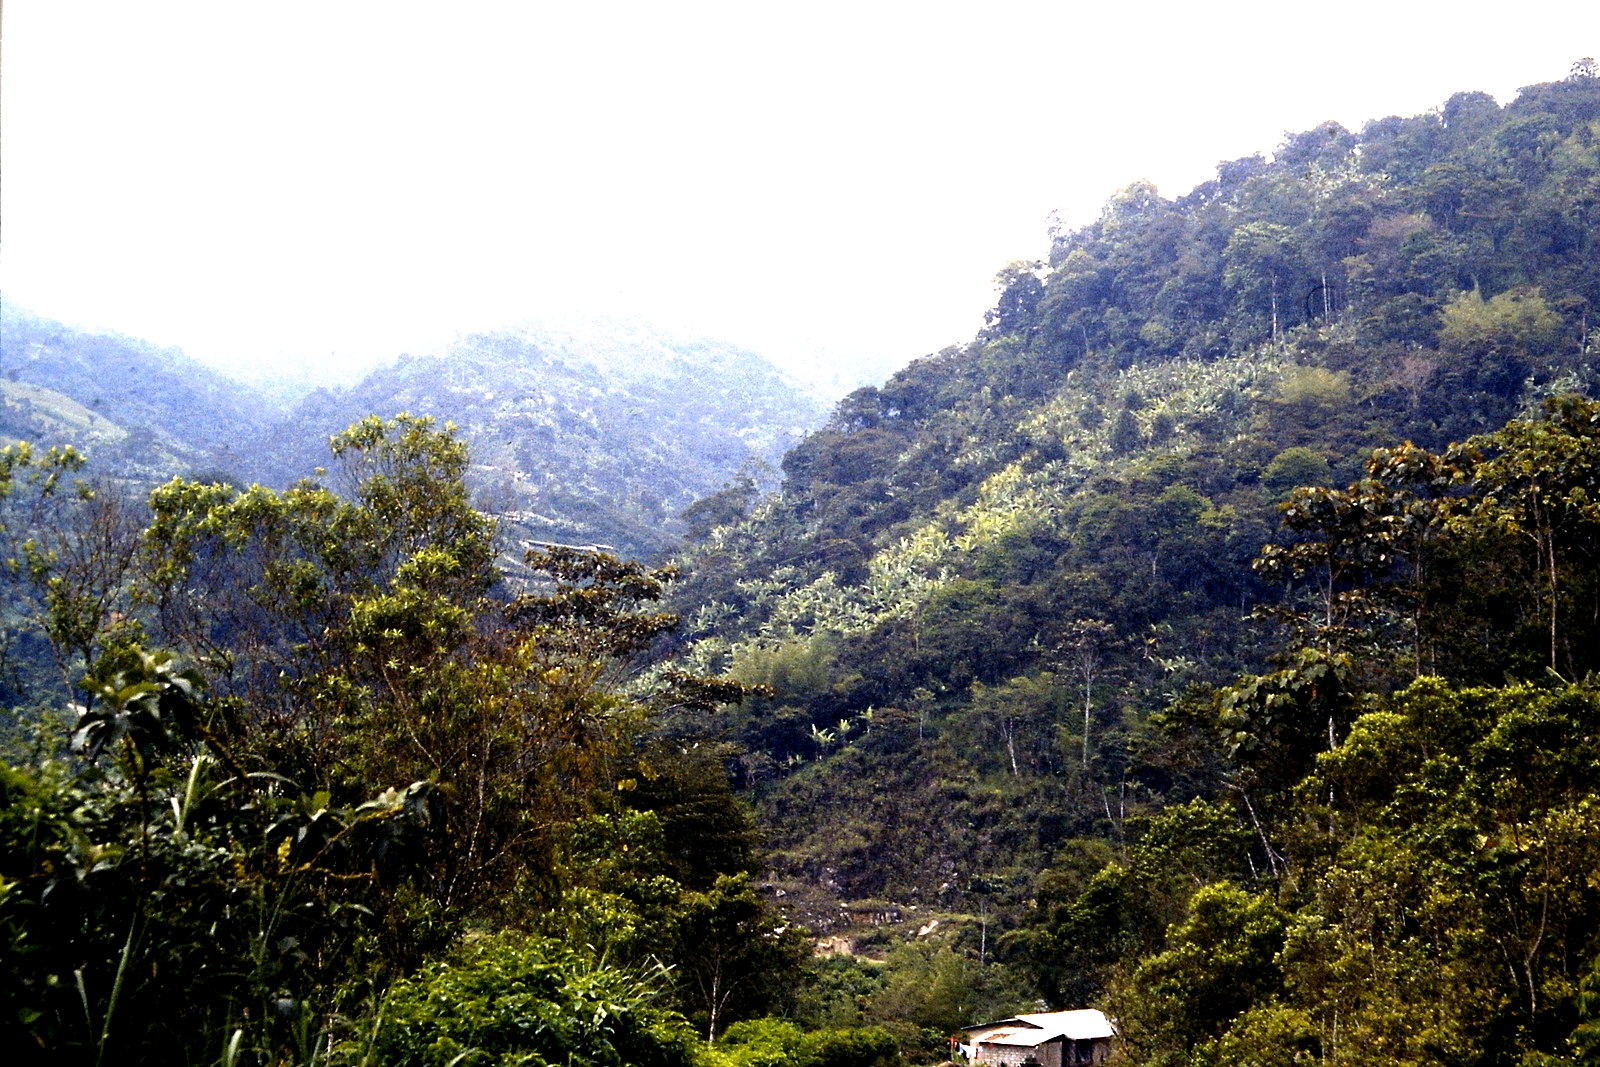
{"points": [[327, 184]]}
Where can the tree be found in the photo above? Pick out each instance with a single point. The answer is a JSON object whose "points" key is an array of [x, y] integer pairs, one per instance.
{"points": [[274, 594], [1126, 437], [66, 552], [1365, 550], [1457, 882], [366, 635], [1490, 346], [1220, 961], [734, 954], [1295, 467], [1024, 708], [1539, 480], [725, 507], [1085, 646], [1020, 293], [1260, 262], [1273, 726]]}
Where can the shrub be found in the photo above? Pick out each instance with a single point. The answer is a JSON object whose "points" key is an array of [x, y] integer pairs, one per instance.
{"points": [[510, 999]]}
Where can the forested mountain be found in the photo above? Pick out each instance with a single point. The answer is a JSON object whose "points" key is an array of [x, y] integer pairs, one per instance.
{"points": [[1213, 639], [1018, 625], [585, 431], [147, 413], [602, 434]]}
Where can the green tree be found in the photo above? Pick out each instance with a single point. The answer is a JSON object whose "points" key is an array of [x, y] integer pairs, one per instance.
{"points": [[1295, 467], [1220, 961], [66, 552], [1020, 292], [1539, 480], [733, 955], [1491, 345], [1085, 648], [1126, 437], [1261, 262]]}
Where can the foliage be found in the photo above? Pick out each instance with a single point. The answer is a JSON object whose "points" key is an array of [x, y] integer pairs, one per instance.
{"points": [[776, 1043], [1024, 633], [1218, 962], [211, 870], [507, 999], [159, 900], [1211, 638]]}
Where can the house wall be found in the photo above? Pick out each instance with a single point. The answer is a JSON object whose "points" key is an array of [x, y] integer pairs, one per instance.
{"points": [[1047, 1054], [1086, 1053]]}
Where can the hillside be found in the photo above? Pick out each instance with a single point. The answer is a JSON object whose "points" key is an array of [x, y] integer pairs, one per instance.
{"points": [[993, 596], [599, 436], [1213, 640], [144, 413], [589, 431]]}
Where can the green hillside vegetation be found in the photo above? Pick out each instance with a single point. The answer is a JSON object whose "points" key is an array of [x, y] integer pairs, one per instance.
{"points": [[1019, 626], [367, 785], [1213, 639]]}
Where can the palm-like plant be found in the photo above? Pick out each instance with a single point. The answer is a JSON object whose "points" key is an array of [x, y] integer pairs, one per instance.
{"points": [[823, 738]]}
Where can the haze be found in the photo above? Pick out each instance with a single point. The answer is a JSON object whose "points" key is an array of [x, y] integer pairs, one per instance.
{"points": [[309, 188]]}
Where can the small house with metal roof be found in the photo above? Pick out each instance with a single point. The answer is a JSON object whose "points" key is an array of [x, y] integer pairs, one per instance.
{"points": [[1078, 1038]]}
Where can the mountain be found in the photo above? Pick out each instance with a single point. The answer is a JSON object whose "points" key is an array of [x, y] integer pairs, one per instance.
{"points": [[1214, 639], [584, 431], [144, 413], [985, 587], [598, 434]]}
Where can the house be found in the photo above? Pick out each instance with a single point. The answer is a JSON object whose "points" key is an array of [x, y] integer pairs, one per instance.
{"points": [[1050, 1039]]}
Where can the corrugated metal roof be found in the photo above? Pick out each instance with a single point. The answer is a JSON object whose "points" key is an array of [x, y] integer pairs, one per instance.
{"points": [[1082, 1024], [1026, 1037]]}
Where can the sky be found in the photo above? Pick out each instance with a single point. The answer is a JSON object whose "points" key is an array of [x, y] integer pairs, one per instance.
{"points": [[310, 188]]}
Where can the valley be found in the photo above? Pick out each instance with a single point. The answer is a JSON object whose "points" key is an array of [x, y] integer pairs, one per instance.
{"points": [[1211, 641]]}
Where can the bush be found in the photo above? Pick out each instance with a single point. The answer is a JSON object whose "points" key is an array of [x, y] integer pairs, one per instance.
{"points": [[861, 1046], [759, 1043], [511, 999], [778, 1043]]}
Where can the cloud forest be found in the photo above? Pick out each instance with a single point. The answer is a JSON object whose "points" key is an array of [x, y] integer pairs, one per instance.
{"points": [[1211, 641]]}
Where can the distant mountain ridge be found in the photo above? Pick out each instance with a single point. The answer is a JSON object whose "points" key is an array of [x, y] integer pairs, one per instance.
{"points": [[584, 430], [597, 439], [146, 412]]}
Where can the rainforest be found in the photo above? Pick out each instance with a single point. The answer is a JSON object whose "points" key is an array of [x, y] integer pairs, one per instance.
{"points": [[1213, 640]]}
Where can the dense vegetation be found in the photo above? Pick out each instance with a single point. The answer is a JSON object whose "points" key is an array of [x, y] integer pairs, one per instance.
{"points": [[1213, 639], [364, 787], [1034, 676]]}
